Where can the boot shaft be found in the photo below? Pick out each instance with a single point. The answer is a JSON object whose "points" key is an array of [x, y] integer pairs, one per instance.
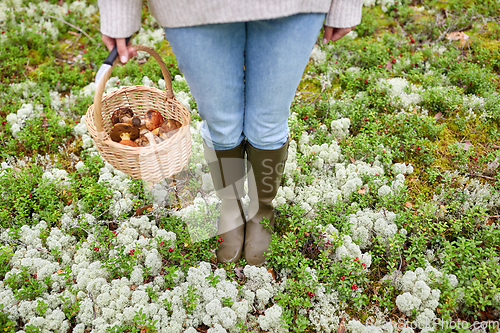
{"points": [[227, 169], [265, 171]]}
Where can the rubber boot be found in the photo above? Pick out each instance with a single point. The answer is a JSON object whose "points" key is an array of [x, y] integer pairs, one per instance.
{"points": [[265, 169], [227, 168]]}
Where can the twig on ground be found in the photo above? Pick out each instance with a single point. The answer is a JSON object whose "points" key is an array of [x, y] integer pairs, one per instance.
{"points": [[93, 308], [73, 26], [74, 42], [482, 176], [12, 241]]}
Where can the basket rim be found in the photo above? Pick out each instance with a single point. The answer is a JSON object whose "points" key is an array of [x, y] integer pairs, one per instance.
{"points": [[135, 87]]}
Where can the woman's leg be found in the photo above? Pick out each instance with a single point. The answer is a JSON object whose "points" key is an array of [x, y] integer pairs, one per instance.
{"points": [[211, 57], [277, 52]]}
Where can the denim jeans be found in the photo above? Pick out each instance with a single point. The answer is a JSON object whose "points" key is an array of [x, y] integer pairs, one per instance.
{"points": [[244, 76]]}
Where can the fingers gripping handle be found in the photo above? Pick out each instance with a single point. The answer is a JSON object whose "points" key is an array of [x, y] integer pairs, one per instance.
{"points": [[102, 82]]}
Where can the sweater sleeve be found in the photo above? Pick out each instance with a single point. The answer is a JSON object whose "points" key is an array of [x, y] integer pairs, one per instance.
{"points": [[120, 18], [344, 13]]}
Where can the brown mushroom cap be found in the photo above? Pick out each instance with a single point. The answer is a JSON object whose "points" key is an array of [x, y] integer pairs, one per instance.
{"points": [[168, 128], [136, 121], [122, 115], [153, 119], [123, 131]]}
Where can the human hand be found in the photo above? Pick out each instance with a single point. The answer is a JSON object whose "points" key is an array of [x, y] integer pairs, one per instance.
{"points": [[334, 34], [124, 52]]}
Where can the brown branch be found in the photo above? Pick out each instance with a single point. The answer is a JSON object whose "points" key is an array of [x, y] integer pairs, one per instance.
{"points": [[73, 26], [482, 176], [16, 242]]}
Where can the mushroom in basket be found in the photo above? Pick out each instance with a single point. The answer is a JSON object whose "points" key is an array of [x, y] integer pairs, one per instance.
{"points": [[124, 134], [167, 128], [125, 115], [153, 119]]}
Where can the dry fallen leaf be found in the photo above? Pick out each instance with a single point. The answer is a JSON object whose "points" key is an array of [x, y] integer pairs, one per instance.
{"points": [[490, 220], [362, 190], [388, 65], [341, 328], [143, 210], [465, 145], [352, 159], [458, 35], [270, 270], [438, 115], [486, 315], [491, 168], [132, 287], [60, 271], [408, 205], [495, 146]]}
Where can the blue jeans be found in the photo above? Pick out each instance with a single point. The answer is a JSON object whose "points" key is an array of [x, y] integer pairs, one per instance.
{"points": [[244, 75]]}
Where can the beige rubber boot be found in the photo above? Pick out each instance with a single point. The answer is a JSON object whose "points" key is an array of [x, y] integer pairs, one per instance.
{"points": [[265, 169], [227, 168]]}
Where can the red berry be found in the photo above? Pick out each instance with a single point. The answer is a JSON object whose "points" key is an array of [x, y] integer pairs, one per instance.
{"points": [[413, 42], [170, 249], [366, 119], [96, 248], [364, 265], [34, 276], [393, 60], [342, 277], [354, 287], [305, 117]]}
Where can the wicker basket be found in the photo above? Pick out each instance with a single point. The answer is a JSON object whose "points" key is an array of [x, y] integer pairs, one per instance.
{"points": [[156, 161]]}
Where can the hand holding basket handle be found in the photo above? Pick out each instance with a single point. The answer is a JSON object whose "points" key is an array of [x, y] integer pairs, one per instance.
{"points": [[108, 62], [156, 161]]}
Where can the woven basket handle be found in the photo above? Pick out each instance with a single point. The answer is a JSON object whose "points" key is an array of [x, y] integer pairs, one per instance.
{"points": [[102, 83]]}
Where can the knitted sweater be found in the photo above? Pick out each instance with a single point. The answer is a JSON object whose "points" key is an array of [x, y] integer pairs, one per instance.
{"points": [[121, 18]]}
